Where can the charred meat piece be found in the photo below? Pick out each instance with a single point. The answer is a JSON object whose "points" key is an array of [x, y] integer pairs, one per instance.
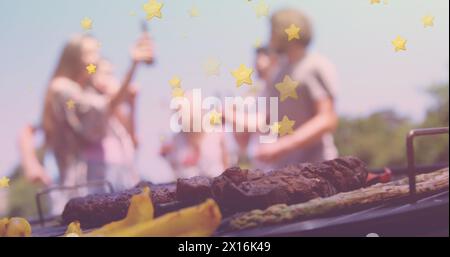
{"points": [[194, 190], [293, 184], [234, 176], [161, 194], [272, 189], [99, 209]]}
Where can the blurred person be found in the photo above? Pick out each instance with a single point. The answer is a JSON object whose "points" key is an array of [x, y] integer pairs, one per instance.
{"points": [[103, 82], [192, 154], [89, 137], [265, 65], [314, 112]]}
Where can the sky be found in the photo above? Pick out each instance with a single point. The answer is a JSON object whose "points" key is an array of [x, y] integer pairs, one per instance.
{"points": [[353, 34]]}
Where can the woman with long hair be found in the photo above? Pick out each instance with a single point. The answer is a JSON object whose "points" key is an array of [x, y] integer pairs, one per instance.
{"points": [[81, 125]]}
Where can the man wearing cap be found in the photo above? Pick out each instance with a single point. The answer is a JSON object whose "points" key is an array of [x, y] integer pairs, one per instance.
{"points": [[313, 110]]}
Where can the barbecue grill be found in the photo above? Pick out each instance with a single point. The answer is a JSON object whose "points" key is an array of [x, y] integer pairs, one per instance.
{"points": [[427, 215]]}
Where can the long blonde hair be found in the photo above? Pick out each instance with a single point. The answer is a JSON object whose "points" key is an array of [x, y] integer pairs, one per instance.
{"points": [[70, 66]]}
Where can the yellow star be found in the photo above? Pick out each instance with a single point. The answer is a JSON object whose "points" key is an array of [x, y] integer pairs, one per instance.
{"points": [[428, 21], [286, 126], [212, 67], [243, 75], [153, 9], [177, 92], [86, 23], [215, 118], [175, 82], [91, 69], [399, 44], [262, 9], [70, 104], [287, 88], [375, 1], [194, 12], [293, 32], [4, 182]]}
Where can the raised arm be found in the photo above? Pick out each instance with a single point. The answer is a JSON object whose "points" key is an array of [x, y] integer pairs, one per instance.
{"points": [[325, 121], [128, 119], [141, 52]]}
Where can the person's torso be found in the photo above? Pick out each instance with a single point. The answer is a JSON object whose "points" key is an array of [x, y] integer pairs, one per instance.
{"points": [[77, 156], [303, 109]]}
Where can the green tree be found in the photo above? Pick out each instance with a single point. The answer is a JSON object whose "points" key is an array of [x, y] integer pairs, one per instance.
{"points": [[435, 150], [380, 139]]}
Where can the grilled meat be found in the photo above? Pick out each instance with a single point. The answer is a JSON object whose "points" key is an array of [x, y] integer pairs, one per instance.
{"points": [[99, 209], [235, 190], [292, 184]]}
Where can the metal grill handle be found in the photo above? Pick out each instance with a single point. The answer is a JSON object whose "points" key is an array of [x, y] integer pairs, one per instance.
{"points": [[97, 183], [410, 154]]}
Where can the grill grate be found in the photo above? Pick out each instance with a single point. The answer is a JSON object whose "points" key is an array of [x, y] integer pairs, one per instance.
{"points": [[388, 217]]}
